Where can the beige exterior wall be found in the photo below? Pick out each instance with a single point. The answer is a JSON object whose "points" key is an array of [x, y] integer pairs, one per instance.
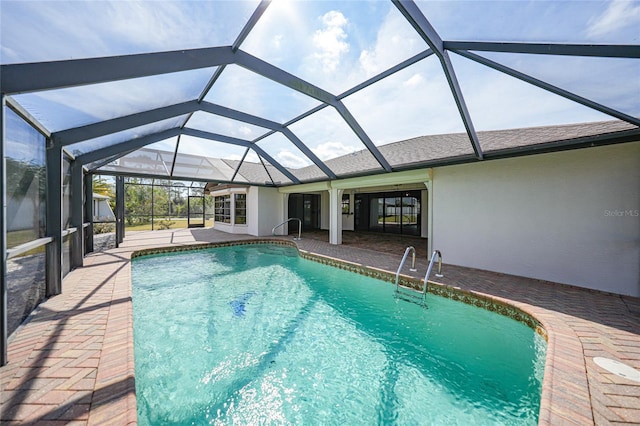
{"points": [[570, 217], [265, 209]]}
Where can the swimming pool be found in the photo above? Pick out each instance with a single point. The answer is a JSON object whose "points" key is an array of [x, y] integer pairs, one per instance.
{"points": [[255, 334]]}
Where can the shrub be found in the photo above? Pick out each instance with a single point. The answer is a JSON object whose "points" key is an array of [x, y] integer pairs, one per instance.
{"points": [[165, 224], [103, 228]]}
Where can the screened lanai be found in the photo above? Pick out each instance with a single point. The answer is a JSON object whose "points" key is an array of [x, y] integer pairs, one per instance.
{"points": [[279, 93]]}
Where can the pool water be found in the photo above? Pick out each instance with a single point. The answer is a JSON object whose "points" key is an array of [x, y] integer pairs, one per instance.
{"points": [[255, 334]]}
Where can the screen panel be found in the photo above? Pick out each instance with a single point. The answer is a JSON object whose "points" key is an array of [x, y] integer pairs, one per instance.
{"points": [[352, 41], [36, 31], [599, 21], [243, 90], [124, 136], [415, 101], [497, 101]]}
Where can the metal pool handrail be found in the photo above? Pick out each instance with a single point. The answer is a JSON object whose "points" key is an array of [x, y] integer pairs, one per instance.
{"points": [[404, 259], [438, 274], [273, 231]]}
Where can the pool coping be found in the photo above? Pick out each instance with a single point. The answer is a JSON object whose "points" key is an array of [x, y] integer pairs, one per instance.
{"points": [[52, 376]]}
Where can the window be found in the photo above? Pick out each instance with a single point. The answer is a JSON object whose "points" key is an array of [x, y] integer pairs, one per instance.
{"points": [[345, 204], [394, 212], [241, 209], [222, 209]]}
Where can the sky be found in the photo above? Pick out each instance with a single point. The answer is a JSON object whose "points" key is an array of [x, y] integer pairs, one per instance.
{"points": [[335, 46]]}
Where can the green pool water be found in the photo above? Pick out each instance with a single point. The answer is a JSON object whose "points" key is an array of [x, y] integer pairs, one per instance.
{"points": [[257, 335]]}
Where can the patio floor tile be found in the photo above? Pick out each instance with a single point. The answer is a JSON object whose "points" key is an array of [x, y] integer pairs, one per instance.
{"points": [[72, 362]]}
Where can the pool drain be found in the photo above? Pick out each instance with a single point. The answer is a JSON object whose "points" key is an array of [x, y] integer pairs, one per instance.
{"points": [[618, 368]]}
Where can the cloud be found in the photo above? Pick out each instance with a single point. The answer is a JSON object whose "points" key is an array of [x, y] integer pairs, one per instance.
{"points": [[240, 89], [328, 150], [414, 81], [413, 102], [245, 131], [330, 41], [395, 41], [620, 14], [57, 30], [291, 160], [251, 157], [276, 41], [71, 107]]}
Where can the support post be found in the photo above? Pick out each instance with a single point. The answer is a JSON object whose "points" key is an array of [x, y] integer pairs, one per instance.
{"points": [[335, 216], [152, 205], [429, 185], [285, 214], [119, 210], [88, 212], [77, 214], [4, 334], [54, 219]]}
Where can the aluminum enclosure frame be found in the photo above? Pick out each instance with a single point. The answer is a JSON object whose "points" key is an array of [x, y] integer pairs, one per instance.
{"points": [[4, 330], [42, 76], [18, 78]]}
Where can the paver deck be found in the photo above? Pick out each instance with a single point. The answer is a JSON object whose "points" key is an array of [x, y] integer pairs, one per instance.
{"points": [[72, 362]]}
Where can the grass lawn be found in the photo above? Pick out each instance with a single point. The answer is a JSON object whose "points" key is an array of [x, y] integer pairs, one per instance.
{"points": [[177, 224], [406, 219], [15, 238]]}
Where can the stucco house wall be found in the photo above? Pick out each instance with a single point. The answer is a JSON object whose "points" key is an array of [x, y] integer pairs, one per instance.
{"points": [[101, 209], [570, 217], [265, 209]]}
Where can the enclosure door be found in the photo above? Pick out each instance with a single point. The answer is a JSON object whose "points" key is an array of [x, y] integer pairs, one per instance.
{"points": [[195, 211], [390, 212], [311, 209], [305, 207], [361, 212]]}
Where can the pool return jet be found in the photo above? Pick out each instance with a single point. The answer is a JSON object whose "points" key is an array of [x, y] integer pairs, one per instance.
{"points": [[412, 295]]}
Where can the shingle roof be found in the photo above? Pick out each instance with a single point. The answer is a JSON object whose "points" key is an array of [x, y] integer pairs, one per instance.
{"points": [[256, 173], [423, 151], [530, 136], [429, 149]]}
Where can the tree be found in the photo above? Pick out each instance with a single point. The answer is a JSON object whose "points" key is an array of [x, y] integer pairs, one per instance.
{"points": [[102, 186], [137, 202]]}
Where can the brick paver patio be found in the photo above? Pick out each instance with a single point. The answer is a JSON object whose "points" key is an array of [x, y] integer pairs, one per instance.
{"points": [[72, 362]]}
